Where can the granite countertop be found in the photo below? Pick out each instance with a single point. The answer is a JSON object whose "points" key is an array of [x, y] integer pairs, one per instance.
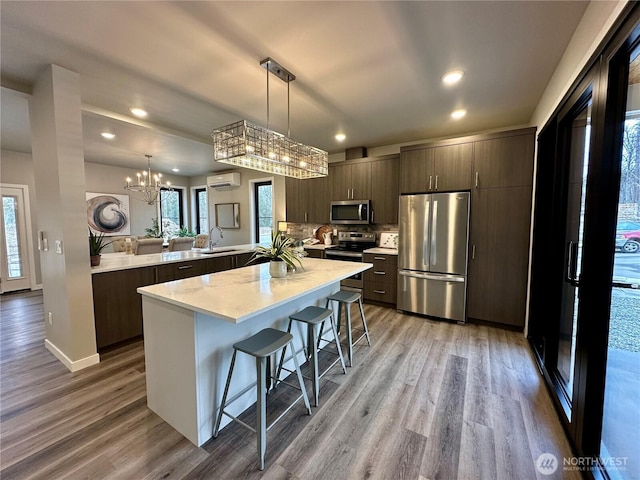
{"points": [[385, 251], [240, 294], [110, 262]]}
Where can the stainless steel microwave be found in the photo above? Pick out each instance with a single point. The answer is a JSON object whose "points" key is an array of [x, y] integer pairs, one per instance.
{"points": [[351, 212]]}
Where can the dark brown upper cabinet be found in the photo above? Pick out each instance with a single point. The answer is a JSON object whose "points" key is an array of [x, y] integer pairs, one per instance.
{"points": [[504, 162]]}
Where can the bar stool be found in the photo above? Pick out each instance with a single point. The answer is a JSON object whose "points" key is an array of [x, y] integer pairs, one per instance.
{"points": [[261, 346], [346, 298], [314, 316]]}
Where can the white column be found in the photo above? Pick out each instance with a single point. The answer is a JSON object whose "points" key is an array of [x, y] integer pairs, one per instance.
{"points": [[58, 160]]}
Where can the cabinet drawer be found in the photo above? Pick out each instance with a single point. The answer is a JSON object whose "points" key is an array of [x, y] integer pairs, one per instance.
{"points": [[380, 291], [382, 263], [177, 271]]}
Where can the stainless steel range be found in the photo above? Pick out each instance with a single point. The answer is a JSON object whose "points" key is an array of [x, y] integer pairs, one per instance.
{"points": [[349, 249]]}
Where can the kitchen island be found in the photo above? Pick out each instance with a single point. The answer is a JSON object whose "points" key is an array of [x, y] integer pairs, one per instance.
{"points": [[190, 327]]}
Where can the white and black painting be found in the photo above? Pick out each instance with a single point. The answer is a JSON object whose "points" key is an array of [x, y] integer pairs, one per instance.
{"points": [[108, 213]]}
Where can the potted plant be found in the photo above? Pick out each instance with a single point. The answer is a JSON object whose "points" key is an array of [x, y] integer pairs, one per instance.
{"points": [[281, 253], [97, 243]]}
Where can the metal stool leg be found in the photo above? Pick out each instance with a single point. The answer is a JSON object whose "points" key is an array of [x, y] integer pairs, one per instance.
{"points": [[347, 307], [338, 347], [364, 322], [314, 363], [261, 409], [224, 396], [302, 387], [284, 350]]}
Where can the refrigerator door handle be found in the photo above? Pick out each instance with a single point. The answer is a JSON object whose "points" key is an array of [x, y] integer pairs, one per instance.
{"points": [[427, 276], [434, 234]]}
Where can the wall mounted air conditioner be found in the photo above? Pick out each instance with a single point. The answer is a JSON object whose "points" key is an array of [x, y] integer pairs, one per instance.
{"points": [[224, 180]]}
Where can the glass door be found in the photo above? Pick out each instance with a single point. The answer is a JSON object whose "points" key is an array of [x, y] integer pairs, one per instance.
{"points": [[576, 131], [621, 415], [15, 258]]}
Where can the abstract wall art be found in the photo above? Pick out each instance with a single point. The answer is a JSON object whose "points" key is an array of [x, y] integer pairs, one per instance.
{"points": [[108, 213]]}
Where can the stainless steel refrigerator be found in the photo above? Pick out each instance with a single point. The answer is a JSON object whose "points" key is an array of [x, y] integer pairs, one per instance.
{"points": [[433, 254]]}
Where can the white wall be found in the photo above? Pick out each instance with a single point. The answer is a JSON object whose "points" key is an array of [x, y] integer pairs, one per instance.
{"points": [[244, 196]]}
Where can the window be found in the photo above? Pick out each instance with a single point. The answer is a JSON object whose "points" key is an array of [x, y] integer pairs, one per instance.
{"points": [[171, 211], [202, 217], [263, 197]]}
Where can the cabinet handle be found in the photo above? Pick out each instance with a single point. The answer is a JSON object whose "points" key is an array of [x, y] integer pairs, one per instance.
{"points": [[373, 216], [473, 252], [348, 194], [477, 178], [430, 178], [382, 292], [436, 182], [380, 258], [184, 267], [380, 273], [155, 274], [352, 194], [305, 217]]}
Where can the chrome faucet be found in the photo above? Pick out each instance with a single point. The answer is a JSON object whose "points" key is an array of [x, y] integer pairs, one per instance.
{"points": [[211, 242]]}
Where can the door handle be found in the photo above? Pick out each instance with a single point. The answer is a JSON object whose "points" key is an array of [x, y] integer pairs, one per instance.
{"points": [[434, 236], [477, 179], [436, 182], [473, 252], [430, 178], [572, 264]]}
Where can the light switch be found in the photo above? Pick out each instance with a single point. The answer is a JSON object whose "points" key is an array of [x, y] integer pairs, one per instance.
{"points": [[59, 247]]}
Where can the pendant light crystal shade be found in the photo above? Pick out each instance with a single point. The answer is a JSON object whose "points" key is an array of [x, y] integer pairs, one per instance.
{"points": [[147, 186], [250, 146], [258, 148]]}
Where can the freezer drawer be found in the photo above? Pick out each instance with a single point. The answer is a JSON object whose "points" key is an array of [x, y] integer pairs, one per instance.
{"points": [[435, 295]]}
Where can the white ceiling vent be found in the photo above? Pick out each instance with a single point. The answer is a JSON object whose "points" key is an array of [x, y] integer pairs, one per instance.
{"points": [[224, 180]]}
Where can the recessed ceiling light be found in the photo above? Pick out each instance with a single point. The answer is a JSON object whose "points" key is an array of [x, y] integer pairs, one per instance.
{"points": [[457, 114], [138, 112], [175, 169], [108, 136], [452, 77], [340, 137]]}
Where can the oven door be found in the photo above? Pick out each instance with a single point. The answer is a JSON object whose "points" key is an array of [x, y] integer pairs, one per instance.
{"points": [[355, 282]]}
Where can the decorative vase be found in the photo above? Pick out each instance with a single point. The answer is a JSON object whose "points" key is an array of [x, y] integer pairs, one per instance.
{"points": [[95, 260], [277, 268]]}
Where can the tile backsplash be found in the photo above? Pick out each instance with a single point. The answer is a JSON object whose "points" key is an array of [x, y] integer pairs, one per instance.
{"points": [[306, 230]]}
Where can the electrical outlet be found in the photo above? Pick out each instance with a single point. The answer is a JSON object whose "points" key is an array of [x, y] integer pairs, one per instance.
{"points": [[335, 232], [59, 247], [50, 318]]}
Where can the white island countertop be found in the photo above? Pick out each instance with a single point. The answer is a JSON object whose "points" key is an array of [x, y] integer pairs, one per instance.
{"points": [[240, 294], [110, 262]]}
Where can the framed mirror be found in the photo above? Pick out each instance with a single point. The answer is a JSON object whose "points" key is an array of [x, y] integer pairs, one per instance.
{"points": [[228, 215]]}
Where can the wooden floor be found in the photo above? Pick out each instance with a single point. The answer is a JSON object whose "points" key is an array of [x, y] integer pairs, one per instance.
{"points": [[428, 400]]}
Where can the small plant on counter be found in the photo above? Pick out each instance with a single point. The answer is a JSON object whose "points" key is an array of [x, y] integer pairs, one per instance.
{"points": [[97, 243], [282, 249]]}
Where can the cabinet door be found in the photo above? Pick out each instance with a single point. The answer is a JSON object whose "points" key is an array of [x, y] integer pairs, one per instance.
{"points": [[452, 167], [384, 190], [219, 264], [504, 162], [340, 176], [500, 221], [295, 200], [117, 305], [361, 181], [416, 166], [319, 199]]}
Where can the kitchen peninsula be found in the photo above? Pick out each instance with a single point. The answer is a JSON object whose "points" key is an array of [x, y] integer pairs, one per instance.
{"points": [[191, 325], [117, 304]]}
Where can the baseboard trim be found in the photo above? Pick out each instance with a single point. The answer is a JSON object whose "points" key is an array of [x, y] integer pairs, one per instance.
{"points": [[37, 286], [67, 362]]}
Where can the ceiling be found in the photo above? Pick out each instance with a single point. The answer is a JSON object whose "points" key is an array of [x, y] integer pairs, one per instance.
{"points": [[371, 70]]}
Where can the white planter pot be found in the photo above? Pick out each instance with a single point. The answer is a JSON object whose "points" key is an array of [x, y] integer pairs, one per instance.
{"points": [[277, 269]]}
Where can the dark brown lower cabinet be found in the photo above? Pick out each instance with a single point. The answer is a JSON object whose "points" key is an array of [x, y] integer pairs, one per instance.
{"points": [[117, 306], [380, 282], [500, 224], [311, 253]]}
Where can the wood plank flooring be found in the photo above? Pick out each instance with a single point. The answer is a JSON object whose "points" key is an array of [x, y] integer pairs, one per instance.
{"points": [[428, 400]]}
